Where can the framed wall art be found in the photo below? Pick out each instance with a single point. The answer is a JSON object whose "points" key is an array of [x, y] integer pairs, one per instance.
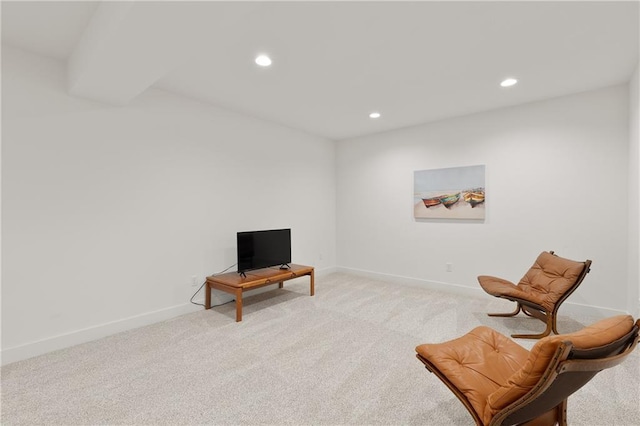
{"points": [[451, 193]]}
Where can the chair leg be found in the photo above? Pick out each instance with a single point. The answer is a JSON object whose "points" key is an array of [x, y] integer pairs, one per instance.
{"points": [[548, 317], [511, 314], [553, 322], [550, 418], [562, 413], [545, 333]]}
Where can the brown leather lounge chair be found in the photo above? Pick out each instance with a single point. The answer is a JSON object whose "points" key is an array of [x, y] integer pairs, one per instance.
{"points": [[501, 383], [541, 291]]}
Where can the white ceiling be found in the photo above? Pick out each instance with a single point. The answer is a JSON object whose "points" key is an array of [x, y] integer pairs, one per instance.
{"points": [[334, 62]]}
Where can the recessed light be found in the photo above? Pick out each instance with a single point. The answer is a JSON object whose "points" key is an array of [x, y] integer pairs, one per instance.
{"points": [[508, 82], [263, 60], [374, 115]]}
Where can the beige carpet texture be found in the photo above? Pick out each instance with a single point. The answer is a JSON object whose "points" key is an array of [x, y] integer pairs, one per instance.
{"points": [[342, 357]]}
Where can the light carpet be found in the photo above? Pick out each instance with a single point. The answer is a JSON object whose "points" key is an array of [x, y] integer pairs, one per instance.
{"points": [[343, 357]]}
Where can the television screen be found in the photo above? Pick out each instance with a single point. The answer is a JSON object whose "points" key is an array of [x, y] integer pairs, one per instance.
{"points": [[261, 249]]}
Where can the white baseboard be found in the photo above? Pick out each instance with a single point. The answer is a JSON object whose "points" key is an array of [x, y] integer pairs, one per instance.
{"points": [[61, 341], [415, 282], [568, 307]]}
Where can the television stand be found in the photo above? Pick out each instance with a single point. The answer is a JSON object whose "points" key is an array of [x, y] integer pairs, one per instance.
{"points": [[236, 284]]}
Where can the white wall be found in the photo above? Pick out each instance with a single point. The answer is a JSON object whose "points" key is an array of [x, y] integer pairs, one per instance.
{"points": [[634, 194], [108, 211], [556, 179]]}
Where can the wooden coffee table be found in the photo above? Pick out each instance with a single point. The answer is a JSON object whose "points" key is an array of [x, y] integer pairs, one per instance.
{"points": [[235, 284]]}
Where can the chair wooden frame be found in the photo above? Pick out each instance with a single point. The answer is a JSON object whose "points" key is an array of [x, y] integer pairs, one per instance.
{"points": [[568, 370], [532, 309]]}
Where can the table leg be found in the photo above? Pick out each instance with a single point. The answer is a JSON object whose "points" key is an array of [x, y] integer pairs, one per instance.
{"points": [[239, 305], [207, 296], [313, 289], [280, 284]]}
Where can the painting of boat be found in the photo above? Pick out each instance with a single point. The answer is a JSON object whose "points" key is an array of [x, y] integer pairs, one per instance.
{"points": [[431, 202], [450, 199], [450, 193], [474, 197]]}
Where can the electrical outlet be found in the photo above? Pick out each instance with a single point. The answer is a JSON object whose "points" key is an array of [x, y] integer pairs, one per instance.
{"points": [[449, 267], [194, 280]]}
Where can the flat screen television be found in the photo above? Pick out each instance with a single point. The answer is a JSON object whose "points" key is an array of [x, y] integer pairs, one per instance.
{"points": [[261, 249]]}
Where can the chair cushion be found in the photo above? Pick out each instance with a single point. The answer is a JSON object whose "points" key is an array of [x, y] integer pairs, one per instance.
{"points": [[477, 363], [549, 278], [522, 381], [500, 288]]}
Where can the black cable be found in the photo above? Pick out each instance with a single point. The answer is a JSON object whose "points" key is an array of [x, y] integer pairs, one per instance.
{"points": [[205, 282]]}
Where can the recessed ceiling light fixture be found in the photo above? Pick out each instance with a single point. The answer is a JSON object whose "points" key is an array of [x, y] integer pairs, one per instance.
{"points": [[263, 60], [374, 115], [508, 82]]}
